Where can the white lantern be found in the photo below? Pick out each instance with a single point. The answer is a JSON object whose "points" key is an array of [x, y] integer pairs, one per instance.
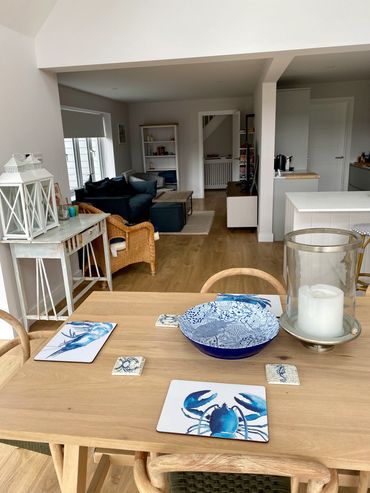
{"points": [[27, 198]]}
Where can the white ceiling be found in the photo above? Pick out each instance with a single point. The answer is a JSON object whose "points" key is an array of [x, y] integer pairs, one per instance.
{"points": [[25, 16], [170, 82], [328, 68]]}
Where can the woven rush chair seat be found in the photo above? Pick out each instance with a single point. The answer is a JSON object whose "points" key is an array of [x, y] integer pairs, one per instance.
{"points": [[203, 482], [41, 448], [139, 242]]}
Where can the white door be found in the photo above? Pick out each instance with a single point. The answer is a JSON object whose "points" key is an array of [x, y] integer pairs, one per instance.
{"points": [[327, 142], [236, 145]]}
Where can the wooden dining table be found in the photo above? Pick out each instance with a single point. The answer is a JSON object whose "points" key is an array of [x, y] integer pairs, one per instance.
{"points": [[326, 417]]}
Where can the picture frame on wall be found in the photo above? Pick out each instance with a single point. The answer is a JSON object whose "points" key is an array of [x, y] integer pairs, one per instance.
{"points": [[121, 133]]}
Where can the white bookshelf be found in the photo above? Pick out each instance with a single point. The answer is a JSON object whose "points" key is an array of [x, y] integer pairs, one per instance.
{"points": [[159, 150]]}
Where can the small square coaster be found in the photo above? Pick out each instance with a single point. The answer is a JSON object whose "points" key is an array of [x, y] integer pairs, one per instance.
{"points": [[282, 374], [167, 320], [128, 365]]}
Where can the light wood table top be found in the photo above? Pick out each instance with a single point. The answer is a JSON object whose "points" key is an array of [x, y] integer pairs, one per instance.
{"points": [[181, 196], [326, 418]]}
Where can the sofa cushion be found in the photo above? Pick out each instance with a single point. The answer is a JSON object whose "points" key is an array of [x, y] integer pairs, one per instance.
{"points": [[139, 206], [99, 188], [119, 186], [145, 187]]}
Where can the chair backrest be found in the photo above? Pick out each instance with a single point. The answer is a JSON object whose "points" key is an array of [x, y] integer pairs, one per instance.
{"points": [[23, 338], [85, 208], [244, 271], [150, 472]]}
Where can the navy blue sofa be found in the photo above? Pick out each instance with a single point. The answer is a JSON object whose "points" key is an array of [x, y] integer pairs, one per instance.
{"points": [[132, 201]]}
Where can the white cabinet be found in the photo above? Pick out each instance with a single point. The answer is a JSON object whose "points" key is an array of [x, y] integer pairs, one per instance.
{"points": [[297, 182], [160, 154], [241, 206]]}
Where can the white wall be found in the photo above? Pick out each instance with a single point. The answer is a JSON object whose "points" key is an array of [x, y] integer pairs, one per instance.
{"points": [[119, 114], [292, 124], [265, 111], [29, 121], [90, 32], [221, 140], [360, 91], [185, 113]]}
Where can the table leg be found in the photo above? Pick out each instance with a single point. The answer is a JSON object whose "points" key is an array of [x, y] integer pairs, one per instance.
{"points": [[74, 469], [67, 279], [108, 271], [20, 288], [363, 482]]}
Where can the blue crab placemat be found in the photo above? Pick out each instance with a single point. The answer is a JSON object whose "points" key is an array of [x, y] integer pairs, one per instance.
{"points": [[77, 342], [219, 410]]}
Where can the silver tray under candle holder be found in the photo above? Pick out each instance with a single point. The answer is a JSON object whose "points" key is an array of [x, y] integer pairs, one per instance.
{"points": [[351, 330]]}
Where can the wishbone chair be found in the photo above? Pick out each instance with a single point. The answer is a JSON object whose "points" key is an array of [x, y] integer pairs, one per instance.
{"points": [[172, 473], [24, 338], [244, 271]]}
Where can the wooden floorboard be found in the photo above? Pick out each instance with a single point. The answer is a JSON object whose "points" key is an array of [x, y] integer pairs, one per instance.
{"points": [[184, 263]]}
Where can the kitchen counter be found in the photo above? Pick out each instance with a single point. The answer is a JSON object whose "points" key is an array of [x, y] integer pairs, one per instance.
{"points": [[296, 181], [328, 210], [297, 175], [330, 201]]}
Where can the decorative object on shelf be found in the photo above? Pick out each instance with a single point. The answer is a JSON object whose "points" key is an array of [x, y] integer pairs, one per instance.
{"points": [[229, 329], [27, 198], [159, 151], [121, 133], [63, 212], [321, 274]]}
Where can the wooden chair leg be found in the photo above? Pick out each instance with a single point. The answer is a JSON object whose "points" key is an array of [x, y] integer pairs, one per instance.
{"points": [[294, 485], [363, 482], [101, 472], [152, 268], [333, 485], [57, 456]]}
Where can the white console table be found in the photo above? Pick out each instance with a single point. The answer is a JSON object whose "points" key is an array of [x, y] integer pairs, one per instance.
{"points": [[61, 243]]}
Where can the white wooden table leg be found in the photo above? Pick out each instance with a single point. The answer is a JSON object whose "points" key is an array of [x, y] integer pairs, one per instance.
{"points": [[67, 279], [107, 257], [74, 469], [20, 287]]}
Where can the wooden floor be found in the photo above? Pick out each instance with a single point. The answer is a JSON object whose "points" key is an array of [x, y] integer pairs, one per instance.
{"points": [[184, 263]]}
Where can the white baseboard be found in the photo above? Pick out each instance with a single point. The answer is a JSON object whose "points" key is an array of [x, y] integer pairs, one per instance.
{"points": [[265, 237]]}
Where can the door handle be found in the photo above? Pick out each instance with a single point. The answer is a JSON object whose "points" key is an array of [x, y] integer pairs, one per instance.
{"points": [[339, 157]]}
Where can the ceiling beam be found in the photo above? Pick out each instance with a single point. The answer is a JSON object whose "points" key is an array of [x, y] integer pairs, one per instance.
{"points": [[275, 67]]}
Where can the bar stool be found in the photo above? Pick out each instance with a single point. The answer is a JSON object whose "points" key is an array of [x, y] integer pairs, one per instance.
{"points": [[364, 231]]}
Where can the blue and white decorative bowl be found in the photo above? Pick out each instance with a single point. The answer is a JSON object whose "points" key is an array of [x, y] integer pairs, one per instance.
{"points": [[229, 329]]}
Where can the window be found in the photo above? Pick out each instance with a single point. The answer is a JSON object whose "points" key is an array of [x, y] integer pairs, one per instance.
{"points": [[84, 158]]}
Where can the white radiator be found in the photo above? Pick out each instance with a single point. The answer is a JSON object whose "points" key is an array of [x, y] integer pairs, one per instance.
{"points": [[217, 172]]}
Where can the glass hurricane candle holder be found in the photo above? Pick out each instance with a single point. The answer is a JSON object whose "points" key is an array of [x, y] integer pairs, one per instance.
{"points": [[321, 281]]}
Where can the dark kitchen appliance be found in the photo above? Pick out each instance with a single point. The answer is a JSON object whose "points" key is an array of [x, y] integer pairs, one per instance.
{"points": [[280, 162]]}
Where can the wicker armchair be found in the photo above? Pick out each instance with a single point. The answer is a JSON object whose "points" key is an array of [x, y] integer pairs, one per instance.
{"points": [[139, 241]]}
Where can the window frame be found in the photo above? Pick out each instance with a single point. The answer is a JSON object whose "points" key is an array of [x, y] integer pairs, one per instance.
{"points": [[90, 159]]}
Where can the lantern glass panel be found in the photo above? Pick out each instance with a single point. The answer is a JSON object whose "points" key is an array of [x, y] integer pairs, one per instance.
{"points": [[34, 213], [47, 204], [13, 211]]}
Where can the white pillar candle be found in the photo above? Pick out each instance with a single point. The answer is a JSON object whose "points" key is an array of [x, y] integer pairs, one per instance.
{"points": [[320, 310]]}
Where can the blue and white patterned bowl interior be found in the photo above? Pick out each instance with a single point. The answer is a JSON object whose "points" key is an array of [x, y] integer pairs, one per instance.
{"points": [[229, 324]]}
